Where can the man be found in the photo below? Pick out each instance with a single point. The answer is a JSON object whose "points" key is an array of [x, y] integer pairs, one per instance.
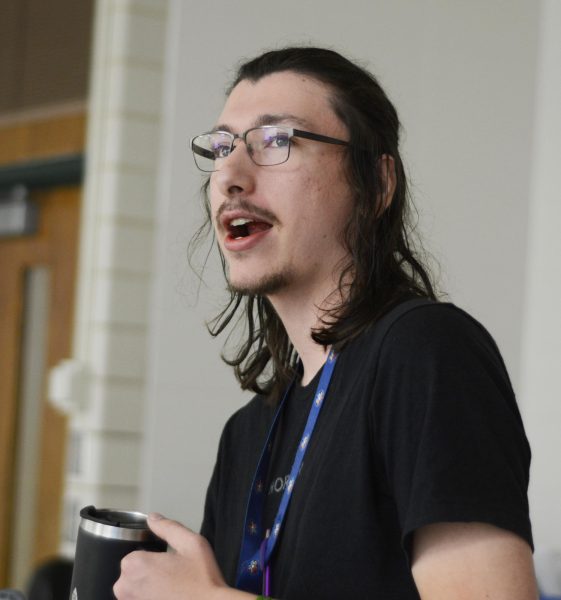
{"points": [[384, 455]]}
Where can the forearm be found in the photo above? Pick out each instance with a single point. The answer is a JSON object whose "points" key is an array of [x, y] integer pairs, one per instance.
{"points": [[233, 594]]}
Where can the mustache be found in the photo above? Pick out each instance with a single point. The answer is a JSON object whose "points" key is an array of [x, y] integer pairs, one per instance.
{"points": [[245, 205]]}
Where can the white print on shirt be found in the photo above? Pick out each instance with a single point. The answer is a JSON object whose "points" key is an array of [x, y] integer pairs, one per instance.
{"points": [[279, 483]]}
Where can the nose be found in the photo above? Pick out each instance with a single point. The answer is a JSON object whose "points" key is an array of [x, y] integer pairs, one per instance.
{"points": [[236, 174]]}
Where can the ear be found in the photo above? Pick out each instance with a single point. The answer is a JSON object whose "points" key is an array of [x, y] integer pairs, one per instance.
{"points": [[386, 172]]}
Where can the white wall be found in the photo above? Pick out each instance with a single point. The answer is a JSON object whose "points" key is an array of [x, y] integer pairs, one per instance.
{"points": [[542, 325], [462, 75]]}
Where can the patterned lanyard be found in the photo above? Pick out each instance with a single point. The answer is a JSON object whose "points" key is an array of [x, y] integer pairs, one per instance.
{"points": [[256, 548]]}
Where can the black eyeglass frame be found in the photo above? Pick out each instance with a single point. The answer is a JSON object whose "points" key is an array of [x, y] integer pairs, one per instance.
{"points": [[292, 132]]}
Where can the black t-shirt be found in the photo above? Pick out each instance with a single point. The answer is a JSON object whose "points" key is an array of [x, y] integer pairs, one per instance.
{"points": [[291, 425], [420, 425]]}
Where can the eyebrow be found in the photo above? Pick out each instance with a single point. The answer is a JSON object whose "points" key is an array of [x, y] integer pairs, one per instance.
{"points": [[269, 119]]}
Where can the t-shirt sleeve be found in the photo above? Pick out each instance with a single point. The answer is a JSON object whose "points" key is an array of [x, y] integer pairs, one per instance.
{"points": [[213, 493], [446, 426], [208, 525]]}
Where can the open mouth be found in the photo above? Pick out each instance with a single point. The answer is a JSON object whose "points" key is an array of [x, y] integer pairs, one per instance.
{"points": [[241, 228]]}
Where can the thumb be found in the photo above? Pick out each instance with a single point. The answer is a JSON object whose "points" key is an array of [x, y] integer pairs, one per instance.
{"points": [[172, 532]]}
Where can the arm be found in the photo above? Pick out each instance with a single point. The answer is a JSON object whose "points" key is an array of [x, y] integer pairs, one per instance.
{"points": [[188, 572], [472, 561]]}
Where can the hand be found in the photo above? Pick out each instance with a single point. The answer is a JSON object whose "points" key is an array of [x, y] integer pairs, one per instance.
{"points": [[188, 571]]}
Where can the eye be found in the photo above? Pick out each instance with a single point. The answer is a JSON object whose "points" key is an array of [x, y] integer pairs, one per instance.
{"points": [[280, 139], [221, 150]]}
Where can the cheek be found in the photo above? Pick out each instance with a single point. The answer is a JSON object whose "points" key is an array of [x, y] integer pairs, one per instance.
{"points": [[329, 202], [214, 203], [212, 197]]}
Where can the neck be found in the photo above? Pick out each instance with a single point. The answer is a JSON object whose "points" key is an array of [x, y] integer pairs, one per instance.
{"points": [[300, 314]]}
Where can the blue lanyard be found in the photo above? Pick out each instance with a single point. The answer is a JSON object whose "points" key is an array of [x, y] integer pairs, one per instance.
{"points": [[256, 548]]}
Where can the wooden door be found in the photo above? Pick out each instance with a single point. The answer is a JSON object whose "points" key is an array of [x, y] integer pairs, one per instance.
{"points": [[53, 249], [51, 252]]}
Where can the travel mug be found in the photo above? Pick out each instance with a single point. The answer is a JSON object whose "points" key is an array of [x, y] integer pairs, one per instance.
{"points": [[105, 536]]}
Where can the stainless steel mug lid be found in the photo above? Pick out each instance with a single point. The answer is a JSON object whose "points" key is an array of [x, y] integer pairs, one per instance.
{"points": [[115, 524]]}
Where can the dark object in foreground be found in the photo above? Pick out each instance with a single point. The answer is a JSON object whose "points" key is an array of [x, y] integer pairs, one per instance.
{"points": [[50, 580], [105, 536]]}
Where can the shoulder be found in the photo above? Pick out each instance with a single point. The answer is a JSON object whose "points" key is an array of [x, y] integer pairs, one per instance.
{"points": [[431, 346], [433, 324], [436, 357], [419, 329], [248, 421], [441, 333]]}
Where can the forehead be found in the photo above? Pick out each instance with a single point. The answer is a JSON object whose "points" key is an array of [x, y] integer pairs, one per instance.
{"points": [[286, 93]]}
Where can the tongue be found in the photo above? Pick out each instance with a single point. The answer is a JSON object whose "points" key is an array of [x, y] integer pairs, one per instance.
{"points": [[256, 227]]}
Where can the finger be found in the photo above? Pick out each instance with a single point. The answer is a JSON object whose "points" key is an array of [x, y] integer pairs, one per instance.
{"points": [[134, 559], [138, 562], [134, 568], [174, 533]]}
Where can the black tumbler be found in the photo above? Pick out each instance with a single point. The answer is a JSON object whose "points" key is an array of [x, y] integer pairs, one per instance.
{"points": [[105, 536]]}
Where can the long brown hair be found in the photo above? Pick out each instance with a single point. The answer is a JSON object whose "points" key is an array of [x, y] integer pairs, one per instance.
{"points": [[382, 268]]}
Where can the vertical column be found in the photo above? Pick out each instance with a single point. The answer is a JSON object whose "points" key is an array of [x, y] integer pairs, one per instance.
{"points": [[103, 385]]}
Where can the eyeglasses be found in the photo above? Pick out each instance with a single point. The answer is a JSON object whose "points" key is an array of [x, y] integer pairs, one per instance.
{"points": [[267, 145]]}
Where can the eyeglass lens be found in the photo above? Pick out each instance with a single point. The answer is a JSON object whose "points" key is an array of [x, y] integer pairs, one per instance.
{"points": [[269, 145]]}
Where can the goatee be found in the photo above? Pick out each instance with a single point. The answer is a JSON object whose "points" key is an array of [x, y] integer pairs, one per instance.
{"points": [[269, 284]]}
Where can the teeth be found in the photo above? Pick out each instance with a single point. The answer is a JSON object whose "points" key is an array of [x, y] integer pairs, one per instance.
{"points": [[240, 221]]}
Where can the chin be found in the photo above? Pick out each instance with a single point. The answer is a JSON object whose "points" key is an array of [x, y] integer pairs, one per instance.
{"points": [[271, 283]]}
